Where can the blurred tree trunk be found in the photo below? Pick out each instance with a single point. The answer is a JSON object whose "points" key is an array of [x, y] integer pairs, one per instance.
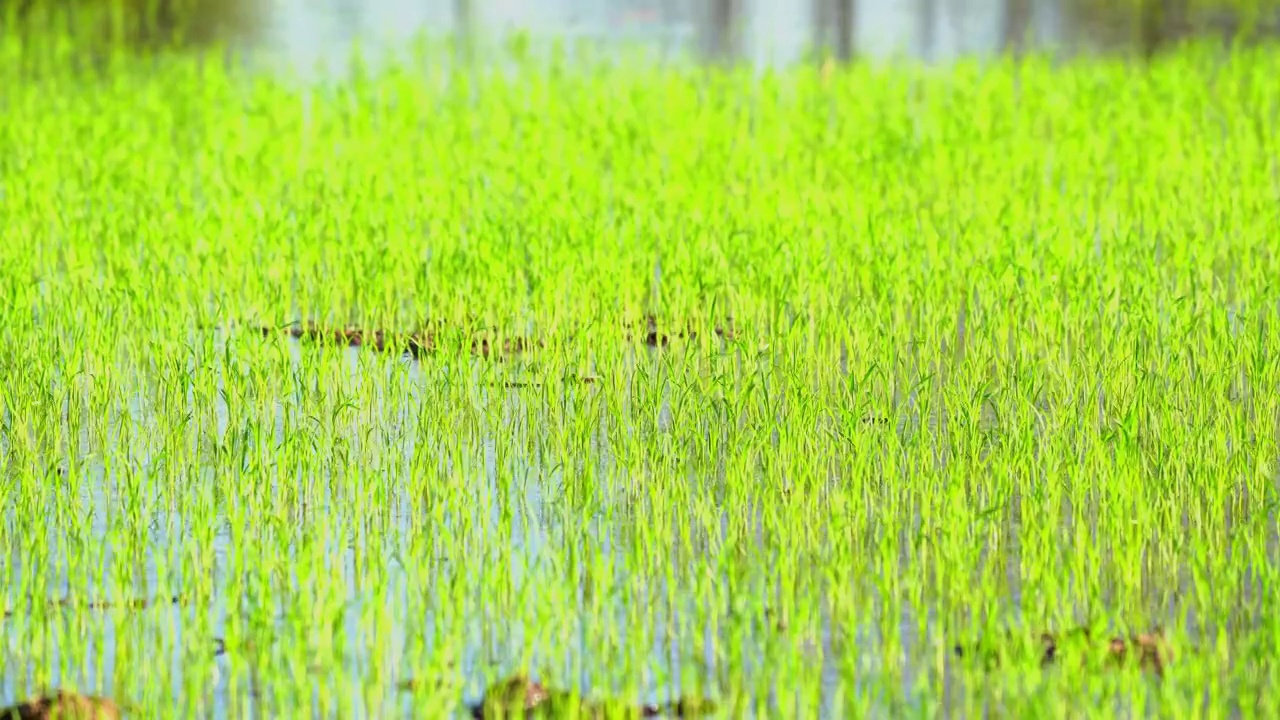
{"points": [[821, 28], [723, 29], [846, 25], [1015, 27], [1159, 21], [927, 19], [835, 29], [1150, 26]]}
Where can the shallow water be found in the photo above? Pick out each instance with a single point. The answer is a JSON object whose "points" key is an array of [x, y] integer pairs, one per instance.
{"points": [[517, 501], [519, 513]]}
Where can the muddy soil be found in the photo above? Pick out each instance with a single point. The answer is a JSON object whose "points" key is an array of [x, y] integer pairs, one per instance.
{"points": [[430, 339], [652, 336], [415, 344], [522, 696], [63, 705]]}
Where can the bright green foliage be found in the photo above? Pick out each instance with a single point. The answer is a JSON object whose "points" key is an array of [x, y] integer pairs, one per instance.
{"points": [[1005, 360]]}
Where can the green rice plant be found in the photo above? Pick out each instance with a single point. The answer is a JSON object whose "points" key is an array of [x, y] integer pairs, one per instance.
{"points": [[887, 391]]}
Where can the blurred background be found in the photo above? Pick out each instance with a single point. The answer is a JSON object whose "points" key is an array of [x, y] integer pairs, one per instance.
{"points": [[311, 34]]}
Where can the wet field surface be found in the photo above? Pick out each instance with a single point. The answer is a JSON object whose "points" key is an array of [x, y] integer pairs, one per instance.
{"points": [[515, 520], [518, 514]]}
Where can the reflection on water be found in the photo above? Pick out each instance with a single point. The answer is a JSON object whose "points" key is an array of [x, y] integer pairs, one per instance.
{"points": [[319, 34], [518, 516]]}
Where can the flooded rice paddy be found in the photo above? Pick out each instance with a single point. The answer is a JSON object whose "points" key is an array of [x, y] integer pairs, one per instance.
{"points": [[863, 393], [433, 473]]}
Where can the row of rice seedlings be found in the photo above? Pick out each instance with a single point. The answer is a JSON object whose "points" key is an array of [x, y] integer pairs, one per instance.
{"points": [[1007, 337]]}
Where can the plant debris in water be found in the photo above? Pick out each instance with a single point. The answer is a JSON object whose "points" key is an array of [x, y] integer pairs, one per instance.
{"points": [[1148, 651], [63, 705], [521, 696], [133, 604], [417, 343]]}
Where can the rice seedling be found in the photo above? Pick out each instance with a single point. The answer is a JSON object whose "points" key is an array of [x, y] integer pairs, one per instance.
{"points": [[701, 388]]}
